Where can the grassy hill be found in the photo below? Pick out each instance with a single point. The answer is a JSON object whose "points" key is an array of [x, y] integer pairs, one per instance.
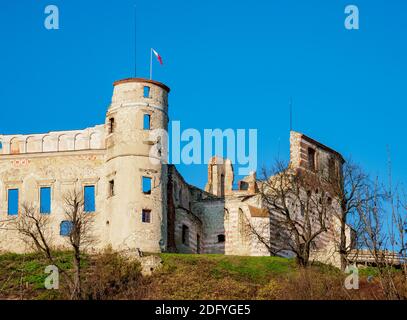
{"points": [[110, 276]]}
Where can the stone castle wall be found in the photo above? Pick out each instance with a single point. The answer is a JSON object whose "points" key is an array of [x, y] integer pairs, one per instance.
{"points": [[115, 157]]}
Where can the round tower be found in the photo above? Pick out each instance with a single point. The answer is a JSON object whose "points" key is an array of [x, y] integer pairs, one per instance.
{"points": [[136, 180]]}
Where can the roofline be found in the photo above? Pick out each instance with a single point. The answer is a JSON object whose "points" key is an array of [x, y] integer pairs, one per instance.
{"points": [[128, 80], [322, 146]]}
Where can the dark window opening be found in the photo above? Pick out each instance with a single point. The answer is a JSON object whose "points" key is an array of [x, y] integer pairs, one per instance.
{"points": [[146, 92], [111, 188], [311, 159], [146, 185], [111, 125], [221, 238], [146, 216], [147, 122], [45, 200], [185, 235], [329, 200], [243, 185]]}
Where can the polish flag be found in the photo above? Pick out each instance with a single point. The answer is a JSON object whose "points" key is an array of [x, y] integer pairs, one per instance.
{"points": [[158, 57]]}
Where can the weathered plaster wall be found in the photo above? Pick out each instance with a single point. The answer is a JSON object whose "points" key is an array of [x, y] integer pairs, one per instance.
{"points": [[63, 173]]}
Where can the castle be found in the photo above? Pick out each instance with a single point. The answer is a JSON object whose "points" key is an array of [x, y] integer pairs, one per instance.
{"points": [[136, 202]]}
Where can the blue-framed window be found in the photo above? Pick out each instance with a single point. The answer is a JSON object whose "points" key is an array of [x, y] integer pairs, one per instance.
{"points": [[89, 199], [146, 216], [146, 184], [65, 228], [146, 122], [12, 202], [1, 145], [146, 92], [45, 200]]}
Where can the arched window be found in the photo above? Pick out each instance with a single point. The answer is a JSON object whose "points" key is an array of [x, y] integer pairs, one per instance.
{"points": [[14, 146]]}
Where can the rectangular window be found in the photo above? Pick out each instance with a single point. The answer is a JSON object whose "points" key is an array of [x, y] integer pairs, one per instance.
{"points": [[146, 185], [89, 199], [146, 216], [65, 228], [146, 92], [146, 122], [311, 159], [111, 188], [185, 235], [45, 200], [111, 125], [13, 202]]}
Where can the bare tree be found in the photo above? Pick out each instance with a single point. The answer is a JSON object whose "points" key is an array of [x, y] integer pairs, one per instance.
{"points": [[348, 190], [401, 223], [80, 234], [36, 232], [376, 239], [298, 203], [34, 229]]}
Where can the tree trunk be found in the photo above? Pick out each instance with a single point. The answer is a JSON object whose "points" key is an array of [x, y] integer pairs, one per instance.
{"points": [[77, 290]]}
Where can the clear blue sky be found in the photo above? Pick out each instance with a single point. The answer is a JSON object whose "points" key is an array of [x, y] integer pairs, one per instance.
{"points": [[230, 64]]}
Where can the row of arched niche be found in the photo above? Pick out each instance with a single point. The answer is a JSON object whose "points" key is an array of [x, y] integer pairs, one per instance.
{"points": [[52, 143]]}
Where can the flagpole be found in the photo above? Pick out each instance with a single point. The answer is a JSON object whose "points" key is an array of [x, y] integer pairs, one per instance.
{"points": [[151, 63]]}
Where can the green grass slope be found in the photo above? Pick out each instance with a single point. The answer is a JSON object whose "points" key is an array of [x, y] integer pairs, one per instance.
{"points": [[182, 276]]}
